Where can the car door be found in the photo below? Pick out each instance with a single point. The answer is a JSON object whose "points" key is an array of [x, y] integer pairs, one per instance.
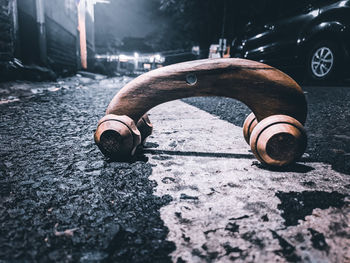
{"points": [[277, 44]]}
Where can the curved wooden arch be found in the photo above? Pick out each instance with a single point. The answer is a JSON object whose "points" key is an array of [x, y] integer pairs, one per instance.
{"points": [[264, 89], [268, 92]]}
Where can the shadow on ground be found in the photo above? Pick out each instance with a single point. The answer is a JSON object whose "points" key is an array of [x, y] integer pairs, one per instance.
{"points": [[60, 199], [327, 125]]}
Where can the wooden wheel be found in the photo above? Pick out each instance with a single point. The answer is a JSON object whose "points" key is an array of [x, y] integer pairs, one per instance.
{"points": [[117, 136], [264, 89], [278, 140], [249, 125], [145, 127]]}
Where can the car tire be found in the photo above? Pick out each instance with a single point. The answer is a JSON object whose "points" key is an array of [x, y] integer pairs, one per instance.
{"points": [[323, 61]]}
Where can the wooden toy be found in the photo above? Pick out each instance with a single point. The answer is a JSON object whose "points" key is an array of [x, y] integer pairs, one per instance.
{"points": [[274, 130]]}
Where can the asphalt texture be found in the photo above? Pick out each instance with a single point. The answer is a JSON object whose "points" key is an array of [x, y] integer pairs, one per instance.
{"points": [[227, 207], [327, 124], [62, 201]]}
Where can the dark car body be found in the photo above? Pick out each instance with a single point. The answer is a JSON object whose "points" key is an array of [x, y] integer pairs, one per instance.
{"points": [[288, 41]]}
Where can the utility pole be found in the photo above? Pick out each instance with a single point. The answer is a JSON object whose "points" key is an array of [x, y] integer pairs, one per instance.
{"points": [[222, 40], [40, 19], [224, 19], [82, 32]]}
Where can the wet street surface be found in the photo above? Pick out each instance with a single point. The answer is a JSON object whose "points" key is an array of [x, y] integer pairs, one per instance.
{"points": [[195, 193]]}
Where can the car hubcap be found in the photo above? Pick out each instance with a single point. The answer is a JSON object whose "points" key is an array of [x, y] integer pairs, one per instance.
{"points": [[322, 62]]}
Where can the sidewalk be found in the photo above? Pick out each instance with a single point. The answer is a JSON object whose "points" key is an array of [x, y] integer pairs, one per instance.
{"points": [[227, 207]]}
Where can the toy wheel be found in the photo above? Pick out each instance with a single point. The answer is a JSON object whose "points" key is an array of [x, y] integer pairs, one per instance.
{"points": [[278, 140], [117, 136], [145, 127], [248, 126]]}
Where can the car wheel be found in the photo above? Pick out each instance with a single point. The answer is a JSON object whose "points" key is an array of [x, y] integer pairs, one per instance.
{"points": [[323, 60]]}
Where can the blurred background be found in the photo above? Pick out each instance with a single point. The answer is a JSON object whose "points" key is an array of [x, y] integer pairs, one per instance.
{"points": [[46, 39]]}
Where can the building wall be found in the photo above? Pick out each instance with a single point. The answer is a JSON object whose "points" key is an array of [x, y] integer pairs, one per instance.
{"points": [[61, 46], [8, 26], [45, 32], [61, 34], [90, 27], [28, 32], [90, 39]]}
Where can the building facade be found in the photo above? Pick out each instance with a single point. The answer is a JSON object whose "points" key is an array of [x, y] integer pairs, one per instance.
{"points": [[8, 29], [55, 34]]}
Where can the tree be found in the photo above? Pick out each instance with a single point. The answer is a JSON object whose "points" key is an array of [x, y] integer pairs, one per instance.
{"points": [[200, 22]]}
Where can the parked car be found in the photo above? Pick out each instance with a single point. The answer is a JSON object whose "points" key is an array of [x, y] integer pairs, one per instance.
{"points": [[314, 36]]}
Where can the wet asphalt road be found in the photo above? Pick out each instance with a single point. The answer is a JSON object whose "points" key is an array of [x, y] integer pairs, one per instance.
{"points": [[62, 201]]}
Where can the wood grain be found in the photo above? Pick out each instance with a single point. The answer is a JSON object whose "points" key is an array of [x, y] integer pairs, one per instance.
{"points": [[264, 89], [278, 140], [248, 126]]}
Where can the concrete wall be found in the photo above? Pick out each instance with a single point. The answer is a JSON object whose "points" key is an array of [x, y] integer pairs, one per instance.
{"points": [[48, 33]]}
